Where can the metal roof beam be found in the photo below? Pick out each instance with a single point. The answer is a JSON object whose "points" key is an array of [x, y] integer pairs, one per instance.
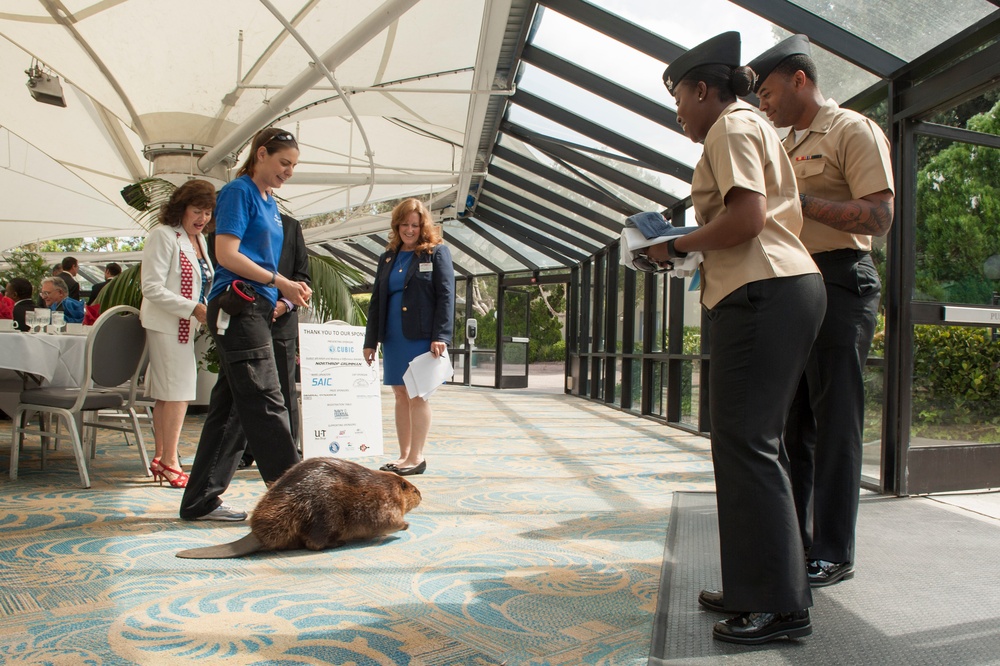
{"points": [[573, 241], [595, 194], [368, 253], [476, 226], [602, 238], [558, 150], [543, 192], [590, 150], [524, 231], [475, 255], [602, 87], [823, 33], [649, 158], [963, 81], [617, 28]]}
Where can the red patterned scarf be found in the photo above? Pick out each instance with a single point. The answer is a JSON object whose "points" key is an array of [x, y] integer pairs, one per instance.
{"points": [[187, 287]]}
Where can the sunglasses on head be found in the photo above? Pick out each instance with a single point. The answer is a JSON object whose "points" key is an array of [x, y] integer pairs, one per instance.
{"points": [[280, 136]]}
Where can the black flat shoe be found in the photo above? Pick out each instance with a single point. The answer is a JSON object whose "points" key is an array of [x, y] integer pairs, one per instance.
{"points": [[757, 628], [407, 471], [823, 573], [712, 600], [388, 467]]}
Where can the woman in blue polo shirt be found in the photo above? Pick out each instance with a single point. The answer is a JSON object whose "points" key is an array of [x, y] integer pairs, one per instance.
{"points": [[248, 240]]}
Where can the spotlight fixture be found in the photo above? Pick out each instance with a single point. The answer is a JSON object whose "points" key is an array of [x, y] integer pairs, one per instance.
{"points": [[43, 85]]}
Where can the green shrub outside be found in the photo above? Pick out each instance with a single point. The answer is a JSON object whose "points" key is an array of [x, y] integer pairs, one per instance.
{"points": [[956, 382]]}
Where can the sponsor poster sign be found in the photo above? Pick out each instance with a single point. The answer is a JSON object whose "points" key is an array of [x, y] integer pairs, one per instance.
{"points": [[341, 401]]}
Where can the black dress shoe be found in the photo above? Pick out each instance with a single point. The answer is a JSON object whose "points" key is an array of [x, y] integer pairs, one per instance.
{"points": [[407, 471], [388, 467], [712, 600], [822, 573], [757, 628]]}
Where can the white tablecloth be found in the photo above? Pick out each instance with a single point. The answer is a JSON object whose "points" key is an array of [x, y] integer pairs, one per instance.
{"points": [[58, 360]]}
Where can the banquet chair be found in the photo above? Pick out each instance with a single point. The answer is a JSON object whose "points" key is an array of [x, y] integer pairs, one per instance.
{"points": [[135, 402], [115, 349]]}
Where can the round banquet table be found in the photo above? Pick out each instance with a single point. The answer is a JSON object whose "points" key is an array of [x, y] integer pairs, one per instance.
{"points": [[38, 359]]}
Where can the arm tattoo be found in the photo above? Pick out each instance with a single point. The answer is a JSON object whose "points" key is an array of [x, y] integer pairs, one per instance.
{"points": [[858, 216]]}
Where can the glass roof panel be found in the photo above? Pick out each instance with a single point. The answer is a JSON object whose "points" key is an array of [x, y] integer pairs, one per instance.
{"points": [[536, 123], [663, 182], [602, 55], [494, 253], [699, 21], [531, 220], [905, 28], [528, 219], [505, 241], [560, 190], [610, 115]]}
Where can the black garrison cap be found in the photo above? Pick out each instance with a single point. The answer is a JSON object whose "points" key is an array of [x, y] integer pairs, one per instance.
{"points": [[722, 49], [765, 63]]}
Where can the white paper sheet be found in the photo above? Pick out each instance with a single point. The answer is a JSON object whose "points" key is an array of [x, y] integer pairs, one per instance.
{"points": [[426, 373]]}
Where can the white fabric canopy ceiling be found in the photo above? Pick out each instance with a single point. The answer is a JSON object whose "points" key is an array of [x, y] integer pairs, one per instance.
{"points": [[143, 74]]}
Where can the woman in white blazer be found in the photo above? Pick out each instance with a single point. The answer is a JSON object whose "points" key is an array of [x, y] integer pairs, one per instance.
{"points": [[176, 278]]}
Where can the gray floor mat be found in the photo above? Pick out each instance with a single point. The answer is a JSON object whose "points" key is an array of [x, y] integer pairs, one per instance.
{"points": [[926, 591]]}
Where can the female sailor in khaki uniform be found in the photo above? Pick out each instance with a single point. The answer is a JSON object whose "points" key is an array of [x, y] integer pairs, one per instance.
{"points": [[765, 303]]}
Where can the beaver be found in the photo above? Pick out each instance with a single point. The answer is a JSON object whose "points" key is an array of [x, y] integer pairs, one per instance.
{"points": [[322, 503]]}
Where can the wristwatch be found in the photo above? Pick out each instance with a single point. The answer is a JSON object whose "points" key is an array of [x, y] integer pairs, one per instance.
{"points": [[673, 252], [274, 276]]}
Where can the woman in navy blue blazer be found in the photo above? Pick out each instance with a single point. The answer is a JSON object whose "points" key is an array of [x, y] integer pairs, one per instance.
{"points": [[412, 311]]}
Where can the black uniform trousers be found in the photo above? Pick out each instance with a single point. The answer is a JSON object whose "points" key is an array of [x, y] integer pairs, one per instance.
{"points": [[823, 437], [284, 360], [248, 382], [761, 335]]}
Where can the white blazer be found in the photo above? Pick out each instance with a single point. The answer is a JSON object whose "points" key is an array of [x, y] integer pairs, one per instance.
{"points": [[162, 304]]}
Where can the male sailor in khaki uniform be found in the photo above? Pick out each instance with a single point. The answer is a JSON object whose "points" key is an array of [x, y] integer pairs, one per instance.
{"points": [[844, 175]]}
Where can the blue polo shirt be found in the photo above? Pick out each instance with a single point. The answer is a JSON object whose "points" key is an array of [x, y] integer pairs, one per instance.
{"points": [[241, 211]]}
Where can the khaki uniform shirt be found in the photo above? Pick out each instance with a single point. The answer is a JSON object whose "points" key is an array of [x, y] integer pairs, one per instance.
{"points": [[842, 156], [743, 150]]}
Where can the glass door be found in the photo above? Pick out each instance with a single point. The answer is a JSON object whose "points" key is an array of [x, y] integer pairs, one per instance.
{"points": [[514, 324]]}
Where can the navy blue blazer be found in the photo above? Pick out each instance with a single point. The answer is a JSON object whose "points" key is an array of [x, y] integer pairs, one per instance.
{"points": [[428, 298]]}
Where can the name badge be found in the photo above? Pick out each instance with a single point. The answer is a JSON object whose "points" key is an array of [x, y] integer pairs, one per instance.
{"points": [[426, 267]]}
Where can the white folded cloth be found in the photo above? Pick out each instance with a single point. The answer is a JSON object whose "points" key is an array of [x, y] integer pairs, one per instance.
{"points": [[642, 230], [686, 266]]}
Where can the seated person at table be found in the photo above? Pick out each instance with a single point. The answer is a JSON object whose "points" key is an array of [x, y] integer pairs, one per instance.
{"points": [[55, 294], [19, 290]]}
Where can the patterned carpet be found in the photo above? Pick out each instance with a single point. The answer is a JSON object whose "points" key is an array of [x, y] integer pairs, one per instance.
{"points": [[539, 541]]}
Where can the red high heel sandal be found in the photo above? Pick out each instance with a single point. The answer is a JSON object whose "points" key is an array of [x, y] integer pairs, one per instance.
{"points": [[179, 480]]}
